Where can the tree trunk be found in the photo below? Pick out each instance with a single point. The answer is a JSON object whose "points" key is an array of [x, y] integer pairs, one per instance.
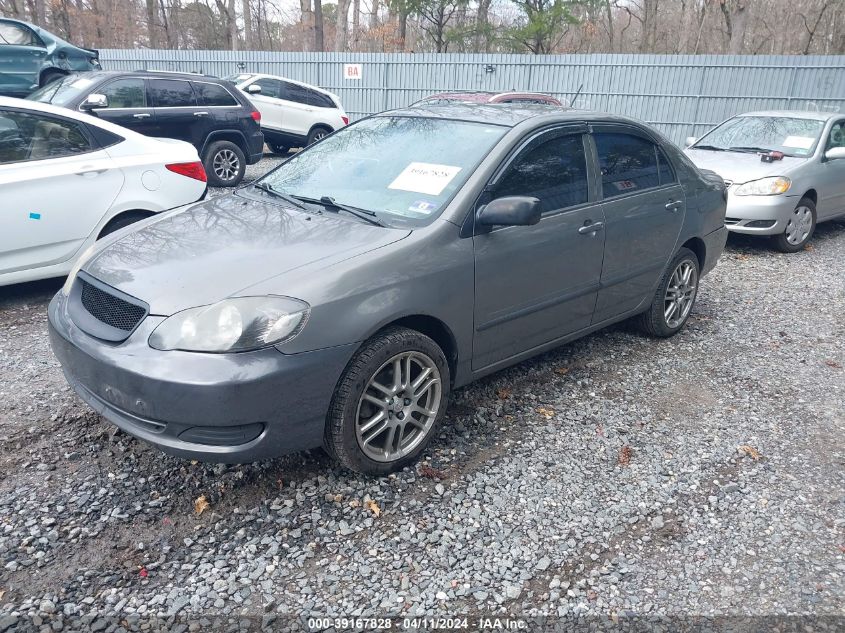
{"points": [[249, 42], [609, 12], [341, 29], [403, 29], [232, 23], [152, 19], [307, 23], [356, 23], [374, 15], [318, 26]]}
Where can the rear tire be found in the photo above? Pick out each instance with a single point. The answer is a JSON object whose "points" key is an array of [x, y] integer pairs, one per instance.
{"points": [[279, 149], [674, 299], [377, 423], [799, 229], [317, 134], [224, 163], [49, 76], [121, 221]]}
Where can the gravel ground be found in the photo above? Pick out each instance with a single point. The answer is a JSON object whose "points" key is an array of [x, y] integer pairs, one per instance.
{"points": [[701, 475]]}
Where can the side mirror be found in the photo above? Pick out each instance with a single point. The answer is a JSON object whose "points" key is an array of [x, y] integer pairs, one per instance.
{"points": [[253, 89], [510, 211], [690, 140], [835, 152], [95, 101]]}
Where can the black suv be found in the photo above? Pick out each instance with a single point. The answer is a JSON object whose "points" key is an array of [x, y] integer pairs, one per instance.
{"points": [[207, 112]]}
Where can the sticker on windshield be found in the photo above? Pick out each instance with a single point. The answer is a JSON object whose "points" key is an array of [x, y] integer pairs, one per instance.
{"points": [[426, 178], [82, 83], [422, 207], [802, 142]]}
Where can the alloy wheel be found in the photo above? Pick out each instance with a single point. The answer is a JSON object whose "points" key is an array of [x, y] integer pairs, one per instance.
{"points": [[799, 226], [398, 407], [226, 164], [680, 294]]}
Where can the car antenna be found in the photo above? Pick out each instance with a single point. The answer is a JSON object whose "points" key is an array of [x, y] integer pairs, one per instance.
{"points": [[575, 98]]}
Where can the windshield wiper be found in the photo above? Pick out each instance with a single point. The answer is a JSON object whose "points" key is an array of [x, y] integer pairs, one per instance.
{"points": [[710, 147], [743, 148], [329, 203], [268, 188]]}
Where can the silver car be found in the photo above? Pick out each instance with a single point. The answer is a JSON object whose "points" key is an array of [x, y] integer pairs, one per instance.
{"points": [[785, 172], [339, 300]]}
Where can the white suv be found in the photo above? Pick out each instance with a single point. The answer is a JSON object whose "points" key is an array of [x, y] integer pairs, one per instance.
{"points": [[293, 114]]}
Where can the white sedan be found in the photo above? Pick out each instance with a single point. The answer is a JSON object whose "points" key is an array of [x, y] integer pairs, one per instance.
{"points": [[67, 179]]}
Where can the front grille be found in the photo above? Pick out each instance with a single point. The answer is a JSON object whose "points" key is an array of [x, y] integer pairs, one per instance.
{"points": [[111, 310]]}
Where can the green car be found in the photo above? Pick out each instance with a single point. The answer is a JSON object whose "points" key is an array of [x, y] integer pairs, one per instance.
{"points": [[31, 57]]}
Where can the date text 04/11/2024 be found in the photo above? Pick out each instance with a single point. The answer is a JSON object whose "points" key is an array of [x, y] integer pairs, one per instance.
{"points": [[419, 623]]}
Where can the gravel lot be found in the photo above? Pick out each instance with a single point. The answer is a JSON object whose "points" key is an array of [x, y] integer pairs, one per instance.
{"points": [[702, 475]]}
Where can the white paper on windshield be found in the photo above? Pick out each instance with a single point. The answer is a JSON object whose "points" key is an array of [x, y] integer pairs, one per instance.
{"points": [[82, 83], [803, 142], [426, 178]]}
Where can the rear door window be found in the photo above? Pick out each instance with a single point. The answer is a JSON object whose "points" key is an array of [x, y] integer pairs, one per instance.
{"points": [[628, 163], [555, 172], [172, 93], [297, 93], [213, 95], [17, 35], [667, 172], [25, 136], [125, 93]]}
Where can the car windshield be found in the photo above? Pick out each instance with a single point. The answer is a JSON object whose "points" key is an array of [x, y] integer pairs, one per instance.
{"points": [[64, 90], [405, 169], [791, 135]]}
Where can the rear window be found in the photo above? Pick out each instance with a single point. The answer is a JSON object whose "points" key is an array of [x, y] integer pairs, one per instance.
{"points": [[172, 93], [213, 95]]}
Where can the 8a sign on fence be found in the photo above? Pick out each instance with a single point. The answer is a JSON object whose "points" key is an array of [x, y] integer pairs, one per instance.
{"points": [[352, 71]]}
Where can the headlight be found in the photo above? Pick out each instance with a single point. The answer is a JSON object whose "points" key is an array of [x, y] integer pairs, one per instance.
{"points": [[764, 187], [234, 325]]}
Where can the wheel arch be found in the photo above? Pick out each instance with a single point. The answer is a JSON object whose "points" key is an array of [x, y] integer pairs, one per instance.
{"points": [[50, 70], [145, 213], [324, 126], [812, 194], [697, 246], [433, 328], [233, 136]]}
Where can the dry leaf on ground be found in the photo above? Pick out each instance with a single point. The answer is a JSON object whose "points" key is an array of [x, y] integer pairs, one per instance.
{"points": [[625, 454], [372, 506], [201, 505], [503, 393], [562, 370], [752, 452], [833, 363], [546, 413], [431, 473]]}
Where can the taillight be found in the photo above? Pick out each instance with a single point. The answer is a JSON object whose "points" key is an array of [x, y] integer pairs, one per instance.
{"points": [[193, 170], [256, 116], [345, 120]]}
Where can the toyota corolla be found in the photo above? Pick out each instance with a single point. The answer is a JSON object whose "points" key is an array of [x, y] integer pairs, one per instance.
{"points": [[338, 300]]}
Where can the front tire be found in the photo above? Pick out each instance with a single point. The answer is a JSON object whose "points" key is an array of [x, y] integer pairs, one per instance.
{"points": [[388, 402], [799, 229], [224, 163], [675, 296]]}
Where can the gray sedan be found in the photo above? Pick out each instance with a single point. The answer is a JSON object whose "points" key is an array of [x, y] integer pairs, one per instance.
{"points": [[339, 300], [785, 172]]}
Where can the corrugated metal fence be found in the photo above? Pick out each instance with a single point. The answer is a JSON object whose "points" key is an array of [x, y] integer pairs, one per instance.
{"points": [[682, 95]]}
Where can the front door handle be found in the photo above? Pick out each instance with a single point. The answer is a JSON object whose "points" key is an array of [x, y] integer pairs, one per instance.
{"points": [[200, 113], [141, 115], [90, 172], [591, 227], [674, 205]]}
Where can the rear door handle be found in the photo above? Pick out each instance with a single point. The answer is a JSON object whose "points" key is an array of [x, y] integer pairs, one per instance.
{"points": [[200, 113], [141, 115], [674, 205], [591, 228]]}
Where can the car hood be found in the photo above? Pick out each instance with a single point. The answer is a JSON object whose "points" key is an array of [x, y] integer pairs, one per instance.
{"points": [[739, 167], [221, 247]]}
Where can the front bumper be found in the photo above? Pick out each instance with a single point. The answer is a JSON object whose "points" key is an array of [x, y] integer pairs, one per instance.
{"points": [[767, 215], [230, 408]]}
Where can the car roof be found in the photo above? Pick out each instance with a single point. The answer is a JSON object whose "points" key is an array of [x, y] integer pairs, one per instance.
{"points": [[253, 76], [795, 114], [507, 114]]}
